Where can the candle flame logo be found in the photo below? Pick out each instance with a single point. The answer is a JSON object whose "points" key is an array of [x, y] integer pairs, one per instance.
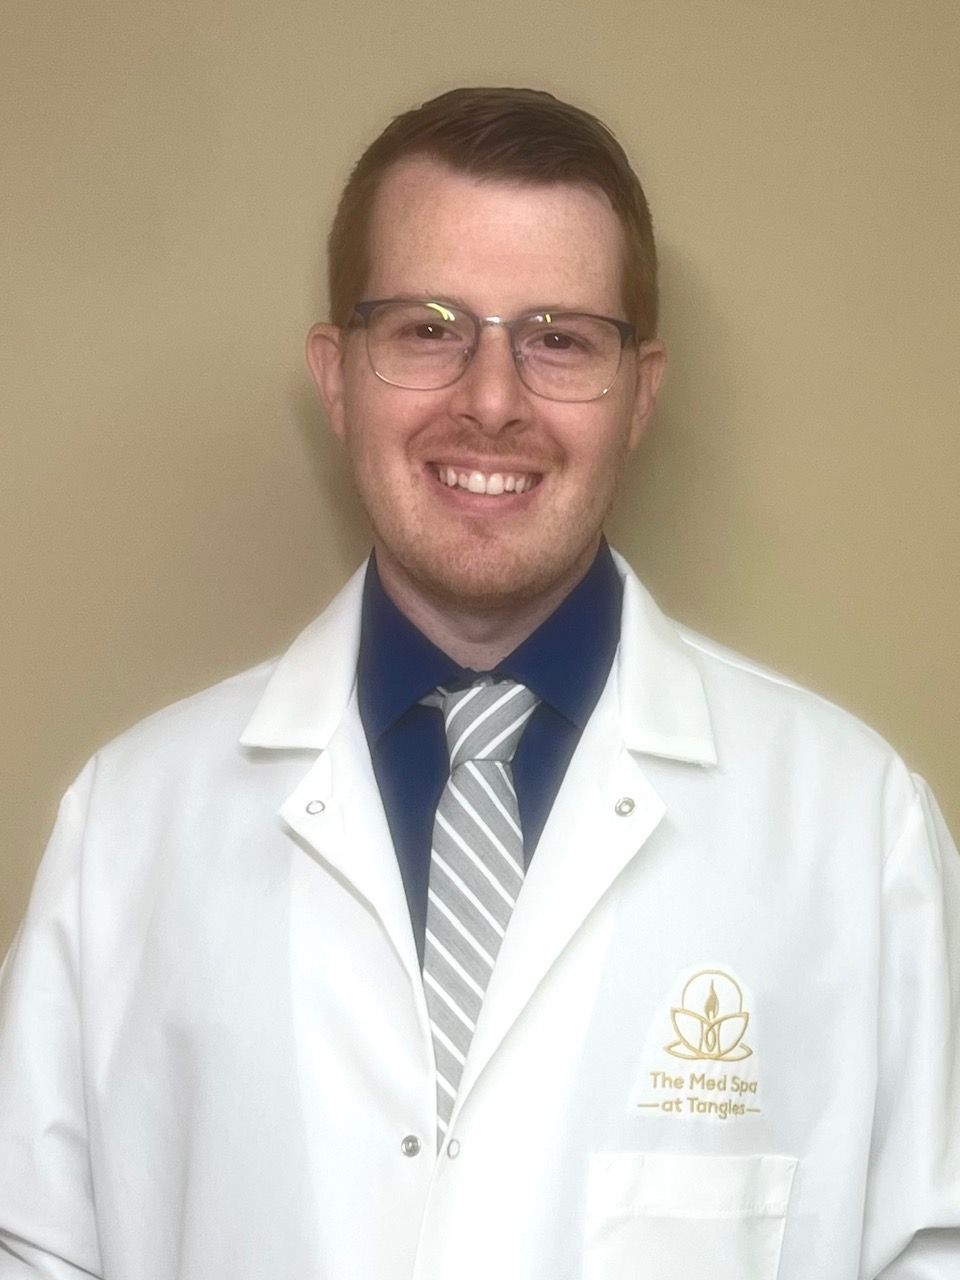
{"points": [[716, 1034], [711, 1005]]}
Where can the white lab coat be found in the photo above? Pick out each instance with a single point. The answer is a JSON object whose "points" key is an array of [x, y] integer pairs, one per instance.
{"points": [[720, 1041]]}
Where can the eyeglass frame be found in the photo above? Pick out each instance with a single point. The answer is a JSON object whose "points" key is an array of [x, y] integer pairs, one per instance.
{"points": [[626, 330]]}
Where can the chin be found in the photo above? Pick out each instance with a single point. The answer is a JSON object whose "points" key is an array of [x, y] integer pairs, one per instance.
{"points": [[491, 579]]}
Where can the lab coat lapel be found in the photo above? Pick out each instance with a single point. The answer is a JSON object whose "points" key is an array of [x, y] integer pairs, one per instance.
{"points": [[335, 809], [586, 844]]}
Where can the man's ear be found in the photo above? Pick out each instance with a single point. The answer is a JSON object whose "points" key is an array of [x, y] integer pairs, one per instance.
{"points": [[325, 354], [651, 360]]}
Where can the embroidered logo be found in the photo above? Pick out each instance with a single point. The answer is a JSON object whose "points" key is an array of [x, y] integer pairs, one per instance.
{"points": [[710, 1070], [711, 1021]]}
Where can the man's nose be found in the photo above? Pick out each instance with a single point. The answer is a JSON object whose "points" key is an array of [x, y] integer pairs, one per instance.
{"points": [[490, 393]]}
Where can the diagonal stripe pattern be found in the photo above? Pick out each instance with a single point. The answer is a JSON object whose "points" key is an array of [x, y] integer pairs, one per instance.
{"points": [[476, 867]]}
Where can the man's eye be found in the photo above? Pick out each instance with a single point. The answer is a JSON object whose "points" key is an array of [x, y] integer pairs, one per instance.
{"points": [[558, 341], [431, 332], [428, 332]]}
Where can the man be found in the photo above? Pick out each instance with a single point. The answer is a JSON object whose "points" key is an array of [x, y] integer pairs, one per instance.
{"points": [[502, 927]]}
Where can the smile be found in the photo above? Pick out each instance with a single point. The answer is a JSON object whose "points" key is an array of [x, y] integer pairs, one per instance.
{"points": [[493, 483]]}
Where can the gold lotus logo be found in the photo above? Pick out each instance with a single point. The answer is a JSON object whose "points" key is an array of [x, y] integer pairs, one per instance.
{"points": [[715, 1034]]}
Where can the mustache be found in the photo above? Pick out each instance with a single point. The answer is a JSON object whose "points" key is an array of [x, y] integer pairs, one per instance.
{"points": [[511, 446]]}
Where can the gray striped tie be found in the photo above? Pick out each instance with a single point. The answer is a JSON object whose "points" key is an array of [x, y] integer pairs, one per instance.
{"points": [[476, 867]]}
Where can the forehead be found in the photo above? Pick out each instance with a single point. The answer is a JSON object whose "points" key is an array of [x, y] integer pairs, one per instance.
{"points": [[490, 243]]}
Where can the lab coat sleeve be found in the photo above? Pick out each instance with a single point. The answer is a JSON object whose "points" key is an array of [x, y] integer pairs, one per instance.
{"points": [[47, 1223], [912, 1219]]}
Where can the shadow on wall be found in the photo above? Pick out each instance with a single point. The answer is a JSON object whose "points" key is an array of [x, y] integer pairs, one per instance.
{"points": [[347, 525], [683, 509]]}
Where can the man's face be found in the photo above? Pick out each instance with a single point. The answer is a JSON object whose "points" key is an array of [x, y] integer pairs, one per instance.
{"points": [[500, 249]]}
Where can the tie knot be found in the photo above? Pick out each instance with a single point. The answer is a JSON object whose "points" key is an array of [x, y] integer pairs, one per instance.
{"points": [[485, 721]]}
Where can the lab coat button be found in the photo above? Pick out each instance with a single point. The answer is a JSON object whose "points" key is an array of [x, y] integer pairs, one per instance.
{"points": [[316, 806], [410, 1146], [453, 1148], [624, 807]]}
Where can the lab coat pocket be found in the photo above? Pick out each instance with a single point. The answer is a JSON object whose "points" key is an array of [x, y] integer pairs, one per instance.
{"points": [[659, 1216]]}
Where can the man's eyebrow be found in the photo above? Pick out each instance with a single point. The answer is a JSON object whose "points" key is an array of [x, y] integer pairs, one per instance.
{"points": [[454, 300], [460, 303], [431, 295]]}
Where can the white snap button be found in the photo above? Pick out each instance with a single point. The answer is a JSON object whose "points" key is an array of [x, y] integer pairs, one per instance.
{"points": [[624, 806], [410, 1146], [316, 806], [453, 1148]]}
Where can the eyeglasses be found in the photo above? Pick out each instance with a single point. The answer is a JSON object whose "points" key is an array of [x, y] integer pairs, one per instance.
{"points": [[423, 346]]}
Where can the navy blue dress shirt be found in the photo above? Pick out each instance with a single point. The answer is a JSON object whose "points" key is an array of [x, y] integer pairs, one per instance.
{"points": [[565, 662]]}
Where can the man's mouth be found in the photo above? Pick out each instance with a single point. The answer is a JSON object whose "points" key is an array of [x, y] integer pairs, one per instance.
{"points": [[493, 483]]}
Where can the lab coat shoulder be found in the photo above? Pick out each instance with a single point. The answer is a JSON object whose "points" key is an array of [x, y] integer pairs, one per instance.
{"points": [[766, 723], [188, 745], [198, 775], [197, 733]]}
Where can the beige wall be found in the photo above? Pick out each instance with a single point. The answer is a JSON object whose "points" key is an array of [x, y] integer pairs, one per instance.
{"points": [[170, 508]]}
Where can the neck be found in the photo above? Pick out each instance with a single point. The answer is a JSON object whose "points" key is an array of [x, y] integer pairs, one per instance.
{"points": [[477, 635]]}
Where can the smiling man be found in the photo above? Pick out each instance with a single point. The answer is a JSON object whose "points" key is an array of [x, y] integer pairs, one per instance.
{"points": [[487, 476], [502, 927]]}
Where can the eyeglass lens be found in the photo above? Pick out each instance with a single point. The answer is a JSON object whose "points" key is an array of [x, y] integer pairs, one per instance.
{"points": [[427, 345]]}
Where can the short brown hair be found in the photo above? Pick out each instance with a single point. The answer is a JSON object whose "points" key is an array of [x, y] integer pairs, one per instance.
{"points": [[521, 134]]}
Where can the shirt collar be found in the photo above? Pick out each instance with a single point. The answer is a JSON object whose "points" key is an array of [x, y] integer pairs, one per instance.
{"points": [[567, 659], [565, 662], [396, 664]]}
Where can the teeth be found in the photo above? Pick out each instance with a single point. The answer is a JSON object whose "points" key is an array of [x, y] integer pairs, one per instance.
{"points": [[476, 482]]}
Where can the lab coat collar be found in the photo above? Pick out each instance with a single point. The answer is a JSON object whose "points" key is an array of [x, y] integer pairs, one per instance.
{"points": [[663, 705], [313, 682]]}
